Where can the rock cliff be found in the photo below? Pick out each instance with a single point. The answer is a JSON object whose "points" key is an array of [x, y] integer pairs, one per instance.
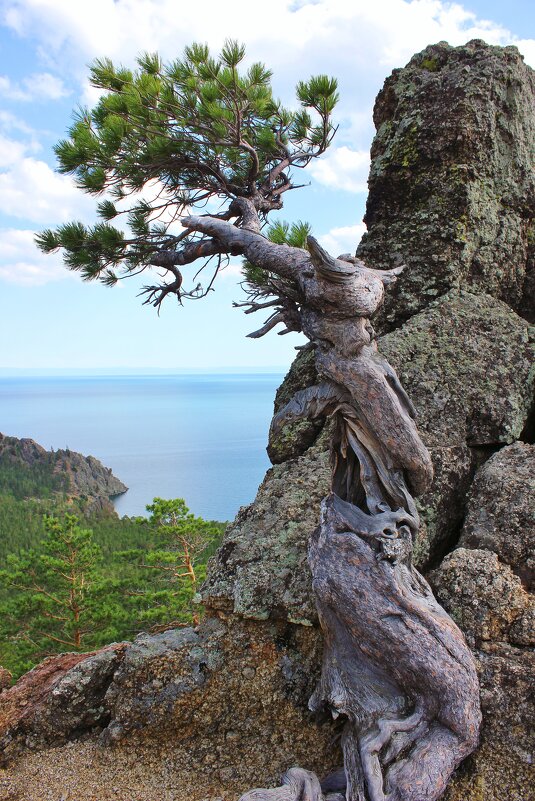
{"points": [[77, 475], [208, 713]]}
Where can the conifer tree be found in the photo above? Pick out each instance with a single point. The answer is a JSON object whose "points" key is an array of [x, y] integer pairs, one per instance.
{"points": [[165, 140], [176, 557], [55, 587]]}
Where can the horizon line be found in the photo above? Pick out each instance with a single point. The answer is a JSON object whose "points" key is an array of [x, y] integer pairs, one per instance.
{"points": [[145, 370]]}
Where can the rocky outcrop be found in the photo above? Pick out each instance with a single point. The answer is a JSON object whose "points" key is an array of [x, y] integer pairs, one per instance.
{"points": [[501, 510], [78, 475], [452, 185], [465, 355], [213, 712], [185, 714], [469, 399], [485, 588], [467, 365]]}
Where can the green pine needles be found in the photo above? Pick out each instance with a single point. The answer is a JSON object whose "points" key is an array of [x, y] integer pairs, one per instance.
{"points": [[73, 583], [165, 140]]}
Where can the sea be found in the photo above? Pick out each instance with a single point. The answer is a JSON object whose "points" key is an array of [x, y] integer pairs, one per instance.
{"points": [[200, 437]]}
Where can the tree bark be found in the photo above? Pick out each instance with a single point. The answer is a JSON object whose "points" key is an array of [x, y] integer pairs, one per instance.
{"points": [[395, 665]]}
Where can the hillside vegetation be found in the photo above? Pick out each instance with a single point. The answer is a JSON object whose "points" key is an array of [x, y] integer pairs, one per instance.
{"points": [[75, 576]]}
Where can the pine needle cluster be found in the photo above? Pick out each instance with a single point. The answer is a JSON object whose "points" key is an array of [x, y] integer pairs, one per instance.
{"points": [[166, 139]]}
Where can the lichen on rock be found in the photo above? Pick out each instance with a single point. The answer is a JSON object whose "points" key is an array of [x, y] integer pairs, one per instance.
{"points": [[485, 585], [452, 181], [501, 510]]}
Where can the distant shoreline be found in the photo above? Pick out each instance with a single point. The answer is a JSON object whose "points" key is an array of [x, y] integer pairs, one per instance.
{"points": [[199, 436]]}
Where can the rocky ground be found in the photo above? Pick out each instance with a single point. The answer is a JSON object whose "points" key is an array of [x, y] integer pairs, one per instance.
{"points": [[207, 714]]}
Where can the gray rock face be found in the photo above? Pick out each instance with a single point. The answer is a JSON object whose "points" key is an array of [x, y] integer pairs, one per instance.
{"points": [[483, 596], [501, 510], [76, 703], [186, 714], [452, 180], [502, 767], [88, 476], [467, 398], [157, 671], [484, 586], [496, 614], [294, 438], [467, 365]]}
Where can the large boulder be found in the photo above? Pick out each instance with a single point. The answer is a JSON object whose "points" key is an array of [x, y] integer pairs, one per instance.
{"points": [[186, 714], [501, 510], [482, 595], [469, 399], [467, 364], [485, 585], [59, 699], [452, 185]]}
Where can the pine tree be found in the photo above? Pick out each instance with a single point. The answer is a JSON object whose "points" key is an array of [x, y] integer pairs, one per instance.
{"points": [[181, 134], [176, 557], [55, 586]]}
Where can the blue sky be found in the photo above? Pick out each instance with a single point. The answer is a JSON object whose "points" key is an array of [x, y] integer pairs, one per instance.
{"points": [[49, 318]]}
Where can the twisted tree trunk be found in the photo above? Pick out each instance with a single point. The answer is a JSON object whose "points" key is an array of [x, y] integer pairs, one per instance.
{"points": [[395, 665]]}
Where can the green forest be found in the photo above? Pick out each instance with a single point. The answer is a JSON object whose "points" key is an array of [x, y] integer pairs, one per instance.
{"points": [[72, 579]]}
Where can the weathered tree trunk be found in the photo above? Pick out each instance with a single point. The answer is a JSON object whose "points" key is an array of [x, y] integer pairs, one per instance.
{"points": [[395, 665]]}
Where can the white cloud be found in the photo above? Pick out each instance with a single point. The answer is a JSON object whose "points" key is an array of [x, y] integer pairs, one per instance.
{"points": [[342, 168], [22, 263], [10, 122], [30, 190], [13, 150], [10, 90], [527, 48], [358, 41], [10, 151], [40, 86], [319, 32], [342, 240], [44, 86]]}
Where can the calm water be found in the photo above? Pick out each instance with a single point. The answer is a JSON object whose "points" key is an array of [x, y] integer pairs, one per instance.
{"points": [[198, 437]]}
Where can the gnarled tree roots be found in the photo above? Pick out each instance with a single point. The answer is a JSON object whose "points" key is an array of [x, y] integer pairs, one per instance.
{"points": [[395, 667]]}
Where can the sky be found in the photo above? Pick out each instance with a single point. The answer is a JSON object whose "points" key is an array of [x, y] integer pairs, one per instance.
{"points": [[49, 318]]}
